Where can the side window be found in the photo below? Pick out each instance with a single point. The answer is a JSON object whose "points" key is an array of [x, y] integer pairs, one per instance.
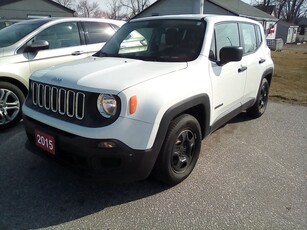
{"points": [[249, 38], [226, 34], [61, 35], [259, 36], [98, 32]]}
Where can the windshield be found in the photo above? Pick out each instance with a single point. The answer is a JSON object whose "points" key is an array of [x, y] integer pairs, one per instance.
{"points": [[169, 40], [12, 34]]}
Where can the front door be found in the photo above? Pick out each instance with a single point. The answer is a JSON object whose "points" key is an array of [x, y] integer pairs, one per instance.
{"points": [[228, 81], [64, 45]]}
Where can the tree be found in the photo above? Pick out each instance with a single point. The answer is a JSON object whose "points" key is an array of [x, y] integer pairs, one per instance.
{"points": [[115, 10], [135, 6], [289, 10], [66, 3], [292, 10], [86, 9]]}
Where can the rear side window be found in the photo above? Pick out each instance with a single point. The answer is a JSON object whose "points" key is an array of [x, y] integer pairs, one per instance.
{"points": [[249, 38], [98, 32], [259, 36], [225, 35]]}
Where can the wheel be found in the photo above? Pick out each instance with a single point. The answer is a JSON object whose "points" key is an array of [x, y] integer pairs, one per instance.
{"points": [[11, 99], [179, 152], [261, 101]]}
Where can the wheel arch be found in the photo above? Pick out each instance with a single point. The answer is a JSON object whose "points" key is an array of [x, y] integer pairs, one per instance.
{"points": [[197, 106], [15, 82], [268, 74]]}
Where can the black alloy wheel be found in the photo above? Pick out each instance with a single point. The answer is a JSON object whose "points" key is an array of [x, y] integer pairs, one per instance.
{"points": [[258, 109], [180, 150]]}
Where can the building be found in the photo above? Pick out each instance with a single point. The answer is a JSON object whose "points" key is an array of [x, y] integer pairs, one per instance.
{"points": [[221, 7], [302, 23], [25, 9], [287, 32], [270, 9]]}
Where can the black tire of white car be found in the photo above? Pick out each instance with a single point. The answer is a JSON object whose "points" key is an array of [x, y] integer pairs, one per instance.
{"points": [[11, 100], [180, 150], [261, 102]]}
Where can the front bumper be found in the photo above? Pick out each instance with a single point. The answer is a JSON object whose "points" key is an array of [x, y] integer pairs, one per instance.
{"points": [[84, 155]]}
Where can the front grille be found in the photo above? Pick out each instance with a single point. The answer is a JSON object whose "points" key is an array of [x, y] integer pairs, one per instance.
{"points": [[62, 101]]}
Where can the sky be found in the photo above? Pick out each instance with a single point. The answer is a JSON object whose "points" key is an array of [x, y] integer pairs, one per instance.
{"points": [[247, 1]]}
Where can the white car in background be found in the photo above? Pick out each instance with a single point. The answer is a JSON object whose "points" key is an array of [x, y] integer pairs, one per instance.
{"points": [[35, 44]]}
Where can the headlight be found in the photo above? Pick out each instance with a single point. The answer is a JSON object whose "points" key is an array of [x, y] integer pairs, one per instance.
{"points": [[106, 105]]}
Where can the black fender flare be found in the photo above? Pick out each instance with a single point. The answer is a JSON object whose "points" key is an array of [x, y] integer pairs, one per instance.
{"points": [[267, 72], [198, 106]]}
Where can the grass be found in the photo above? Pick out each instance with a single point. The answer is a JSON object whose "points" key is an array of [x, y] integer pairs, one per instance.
{"points": [[289, 82]]}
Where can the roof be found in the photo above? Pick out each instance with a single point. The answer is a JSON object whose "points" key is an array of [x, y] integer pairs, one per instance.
{"points": [[268, 9], [236, 7], [288, 24], [209, 17], [6, 2], [302, 21], [67, 19], [243, 9]]}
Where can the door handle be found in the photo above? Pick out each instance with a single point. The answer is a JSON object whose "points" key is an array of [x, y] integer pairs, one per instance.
{"points": [[243, 68], [77, 53], [261, 60]]}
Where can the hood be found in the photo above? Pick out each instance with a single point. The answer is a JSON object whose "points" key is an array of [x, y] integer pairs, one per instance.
{"points": [[112, 75]]}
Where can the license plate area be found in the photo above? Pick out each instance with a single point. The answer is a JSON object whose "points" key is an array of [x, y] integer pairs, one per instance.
{"points": [[45, 141]]}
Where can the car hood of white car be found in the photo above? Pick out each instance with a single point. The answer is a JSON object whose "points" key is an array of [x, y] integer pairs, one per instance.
{"points": [[112, 75]]}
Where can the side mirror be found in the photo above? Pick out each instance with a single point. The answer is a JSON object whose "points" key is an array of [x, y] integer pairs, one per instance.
{"points": [[39, 45], [229, 54]]}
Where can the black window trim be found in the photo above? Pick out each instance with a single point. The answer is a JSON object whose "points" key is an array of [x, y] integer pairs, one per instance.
{"points": [[81, 32]]}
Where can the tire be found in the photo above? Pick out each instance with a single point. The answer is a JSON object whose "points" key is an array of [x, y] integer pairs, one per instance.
{"points": [[180, 150], [261, 101], [11, 100]]}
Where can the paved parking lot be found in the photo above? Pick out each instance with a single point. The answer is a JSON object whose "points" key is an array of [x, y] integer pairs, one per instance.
{"points": [[251, 175]]}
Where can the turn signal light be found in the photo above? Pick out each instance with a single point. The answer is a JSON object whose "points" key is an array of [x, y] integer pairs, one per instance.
{"points": [[133, 104]]}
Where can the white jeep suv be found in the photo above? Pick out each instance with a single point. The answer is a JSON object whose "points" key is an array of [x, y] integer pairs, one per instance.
{"points": [[35, 44], [131, 111]]}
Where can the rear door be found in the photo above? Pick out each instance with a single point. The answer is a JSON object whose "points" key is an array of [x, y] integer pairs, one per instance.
{"points": [[228, 81], [64, 45], [254, 56]]}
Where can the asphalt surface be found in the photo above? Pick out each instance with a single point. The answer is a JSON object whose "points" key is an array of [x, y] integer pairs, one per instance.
{"points": [[251, 175]]}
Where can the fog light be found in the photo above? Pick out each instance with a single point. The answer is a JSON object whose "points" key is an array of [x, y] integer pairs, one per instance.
{"points": [[106, 145]]}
